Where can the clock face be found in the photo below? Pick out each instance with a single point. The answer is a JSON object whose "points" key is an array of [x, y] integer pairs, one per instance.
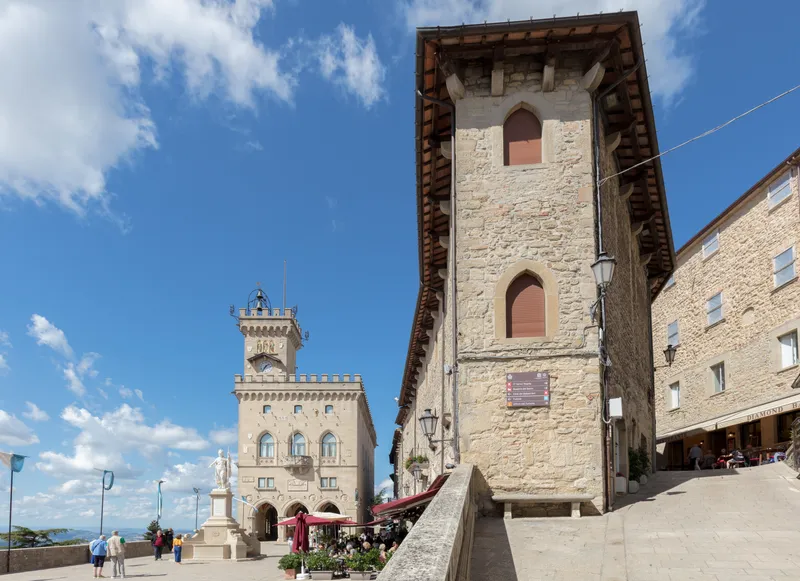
{"points": [[266, 366]]}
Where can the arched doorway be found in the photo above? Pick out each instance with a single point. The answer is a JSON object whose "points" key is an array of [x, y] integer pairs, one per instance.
{"points": [[270, 516], [291, 511], [328, 533]]}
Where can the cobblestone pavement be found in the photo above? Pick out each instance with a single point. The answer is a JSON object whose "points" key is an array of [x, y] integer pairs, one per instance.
{"points": [[263, 569], [723, 525]]}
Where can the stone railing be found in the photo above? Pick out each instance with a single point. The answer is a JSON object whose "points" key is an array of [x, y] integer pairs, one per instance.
{"points": [[300, 462], [439, 546], [287, 313], [49, 557], [298, 378]]}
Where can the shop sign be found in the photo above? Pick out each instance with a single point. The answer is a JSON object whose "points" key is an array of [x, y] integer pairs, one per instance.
{"points": [[528, 389], [774, 411]]}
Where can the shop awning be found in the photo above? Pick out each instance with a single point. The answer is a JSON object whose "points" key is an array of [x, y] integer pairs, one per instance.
{"points": [[774, 408], [681, 433], [401, 504]]}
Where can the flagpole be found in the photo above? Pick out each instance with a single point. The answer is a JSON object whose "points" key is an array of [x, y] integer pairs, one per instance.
{"points": [[102, 502], [10, 505]]}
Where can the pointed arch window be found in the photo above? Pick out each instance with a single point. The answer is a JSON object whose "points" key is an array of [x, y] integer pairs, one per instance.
{"points": [[522, 138], [329, 446], [266, 446], [525, 307], [298, 445]]}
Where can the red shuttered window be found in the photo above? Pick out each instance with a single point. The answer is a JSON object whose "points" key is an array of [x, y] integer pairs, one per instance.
{"points": [[525, 310], [522, 139]]}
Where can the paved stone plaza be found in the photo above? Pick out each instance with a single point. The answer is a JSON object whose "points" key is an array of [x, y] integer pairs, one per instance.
{"points": [[263, 569], [682, 526]]}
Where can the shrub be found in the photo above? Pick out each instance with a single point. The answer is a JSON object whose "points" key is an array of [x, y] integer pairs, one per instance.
{"points": [[360, 562], [638, 463], [290, 561], [420, 459], [320, 561]]}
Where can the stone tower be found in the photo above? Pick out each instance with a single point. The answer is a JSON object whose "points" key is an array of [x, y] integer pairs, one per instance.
{"points": [[271, 338]]}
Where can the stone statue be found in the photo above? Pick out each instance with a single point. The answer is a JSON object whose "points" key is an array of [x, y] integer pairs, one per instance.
{"points": [[222, 470]]}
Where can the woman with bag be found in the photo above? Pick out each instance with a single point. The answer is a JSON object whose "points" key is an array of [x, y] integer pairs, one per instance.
{"points": [[158, 544]]}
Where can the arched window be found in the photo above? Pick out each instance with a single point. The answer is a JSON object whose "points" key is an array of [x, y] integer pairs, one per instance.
{"points": [[298, 445], [525, 308], [522, 139], [329, 446], [266, 446]]}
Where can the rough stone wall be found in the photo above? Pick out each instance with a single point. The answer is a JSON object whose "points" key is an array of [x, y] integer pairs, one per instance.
{"points": [[49, 557], [627, 319], [538, 213], [755, 314]]}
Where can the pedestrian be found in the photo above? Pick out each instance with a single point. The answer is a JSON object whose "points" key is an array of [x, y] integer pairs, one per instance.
{"points": [[169, 536], [116, 550], [695, 454], [158, 544], [177, 548], [98, 548]]}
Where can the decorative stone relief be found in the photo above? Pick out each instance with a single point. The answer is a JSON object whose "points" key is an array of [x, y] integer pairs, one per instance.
{"points": [[248, 479], [296, 485]]}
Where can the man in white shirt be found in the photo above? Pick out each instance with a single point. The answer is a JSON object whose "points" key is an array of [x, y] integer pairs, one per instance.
{"points": [[116, 550], [695, 454]]}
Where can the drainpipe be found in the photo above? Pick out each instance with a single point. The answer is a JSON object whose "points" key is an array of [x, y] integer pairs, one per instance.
{"points": [[452, 259], [600, 250]]}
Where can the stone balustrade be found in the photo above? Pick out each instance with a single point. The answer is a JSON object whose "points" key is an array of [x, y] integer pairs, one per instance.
{"points": [[439, 546]]}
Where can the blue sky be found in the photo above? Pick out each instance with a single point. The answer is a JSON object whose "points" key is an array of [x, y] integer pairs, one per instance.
{"points": [[158, 159]]}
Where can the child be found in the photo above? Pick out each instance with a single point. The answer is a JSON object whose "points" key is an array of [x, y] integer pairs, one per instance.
{"points": [[177, 547]]}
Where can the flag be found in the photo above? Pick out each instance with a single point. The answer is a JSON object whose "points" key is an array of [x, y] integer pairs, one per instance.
{"points": [[244, 500], [13, 461], [160, 501], [110, 483]]}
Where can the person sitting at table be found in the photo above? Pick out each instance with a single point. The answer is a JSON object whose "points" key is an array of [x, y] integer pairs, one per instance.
{"points": [[723, 459], [736, 458], [708, 460]]}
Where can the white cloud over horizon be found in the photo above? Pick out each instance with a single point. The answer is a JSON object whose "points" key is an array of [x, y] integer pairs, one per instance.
{"points": [[35, 413], [72, 109], [224, 436], [14, 432], [669, 67]]}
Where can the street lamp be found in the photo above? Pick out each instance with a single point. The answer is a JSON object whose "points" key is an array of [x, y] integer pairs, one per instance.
{"points": [[669, 354], [416, 472], [603, 270], [196, 505], [428, 423]]}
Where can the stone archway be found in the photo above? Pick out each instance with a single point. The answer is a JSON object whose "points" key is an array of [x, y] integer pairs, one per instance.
{"points": [[289, 511], [266, 523]]}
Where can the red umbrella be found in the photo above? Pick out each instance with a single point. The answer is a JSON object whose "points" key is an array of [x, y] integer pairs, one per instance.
{"points": [[312, 520], [300, 541]]}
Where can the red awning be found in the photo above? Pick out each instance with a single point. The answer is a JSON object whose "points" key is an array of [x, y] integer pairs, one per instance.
{"points": [[401, 504]]}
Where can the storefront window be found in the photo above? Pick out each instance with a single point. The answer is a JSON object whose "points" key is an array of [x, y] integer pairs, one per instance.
{"points": [[751, 434], [785, 426]]}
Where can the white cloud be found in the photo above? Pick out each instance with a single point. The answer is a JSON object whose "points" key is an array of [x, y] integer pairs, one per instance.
{"points": [[104, 440], [4, 340], [385, 484], [13, 432], [139, 394], [74, 383], [3, 363], [71, 109], [74, 374], [254, 145], [86, 363], [353, 64], [224, 436], [87, 513], [126, 392], [662, 21], [35, 413], [40, 328]]}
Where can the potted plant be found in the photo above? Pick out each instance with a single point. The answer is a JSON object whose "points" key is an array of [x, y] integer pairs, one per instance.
{"points": [[360, 566], [290, 564], [639, 465], [421, 460], [320, 564]]}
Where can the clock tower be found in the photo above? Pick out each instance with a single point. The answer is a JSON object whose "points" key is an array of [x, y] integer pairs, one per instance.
{"points": [[271, 337]]}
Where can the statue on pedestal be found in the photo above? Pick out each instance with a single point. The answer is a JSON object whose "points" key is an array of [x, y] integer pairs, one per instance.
{"points": [[222, 470]]}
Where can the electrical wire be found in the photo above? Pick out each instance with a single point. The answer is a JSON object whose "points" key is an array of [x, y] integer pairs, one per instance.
{"points": [[705, 134]]}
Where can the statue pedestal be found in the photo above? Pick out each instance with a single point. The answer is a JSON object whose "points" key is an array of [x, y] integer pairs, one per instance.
{"points": [[220, 537]]}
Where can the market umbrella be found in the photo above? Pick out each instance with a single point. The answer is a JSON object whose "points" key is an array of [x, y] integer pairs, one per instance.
{"points": [[313, 521], [300, 542], [330, 515]]}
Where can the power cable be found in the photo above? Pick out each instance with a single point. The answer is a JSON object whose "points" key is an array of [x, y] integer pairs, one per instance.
{"points": [[709, 132]]}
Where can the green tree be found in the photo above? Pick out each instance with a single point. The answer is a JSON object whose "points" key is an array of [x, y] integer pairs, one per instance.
{"points": [[25, 538], [152, 529], [379, 498]]}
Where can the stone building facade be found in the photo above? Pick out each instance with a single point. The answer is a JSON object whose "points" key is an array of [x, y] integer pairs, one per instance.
{"points": [[537, 220], [732, 309], [306, 442]]}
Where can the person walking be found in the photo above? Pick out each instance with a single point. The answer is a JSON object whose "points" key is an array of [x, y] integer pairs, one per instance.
{"points": [[177, 548], [695, 454], [98, 548], [158, 544], [116, 551], [168, 538]]}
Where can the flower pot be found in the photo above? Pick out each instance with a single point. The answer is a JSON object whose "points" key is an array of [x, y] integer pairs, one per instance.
{"points": [[633, 487], [322, 574], [642, 480], [620, 484], [289, 573], [360, 575]]}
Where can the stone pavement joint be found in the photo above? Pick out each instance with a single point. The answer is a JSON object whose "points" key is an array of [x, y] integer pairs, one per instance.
{"points": [[682, 526]]}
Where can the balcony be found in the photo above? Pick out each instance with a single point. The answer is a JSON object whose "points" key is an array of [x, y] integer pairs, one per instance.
{"points": [[298, 463]]}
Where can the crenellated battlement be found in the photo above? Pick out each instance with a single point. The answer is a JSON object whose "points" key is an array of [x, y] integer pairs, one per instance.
{"points": [[266, 313], [298, 378]]}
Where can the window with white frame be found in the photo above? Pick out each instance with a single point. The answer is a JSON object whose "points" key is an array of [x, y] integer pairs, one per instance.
{"points": [[298, 445], [718, 377], [266, 447], [673, 338], [329, 446], [670, 281], [714, 309], [788, 344], [675, 396], [711, 244], [783, 267], [327, 482], [266, 483], [779, 190]]}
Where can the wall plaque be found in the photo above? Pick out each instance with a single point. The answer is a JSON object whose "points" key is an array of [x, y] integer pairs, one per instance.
{"points": [[218, 507], [247, 479], [528, 389], [296, 485]]}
